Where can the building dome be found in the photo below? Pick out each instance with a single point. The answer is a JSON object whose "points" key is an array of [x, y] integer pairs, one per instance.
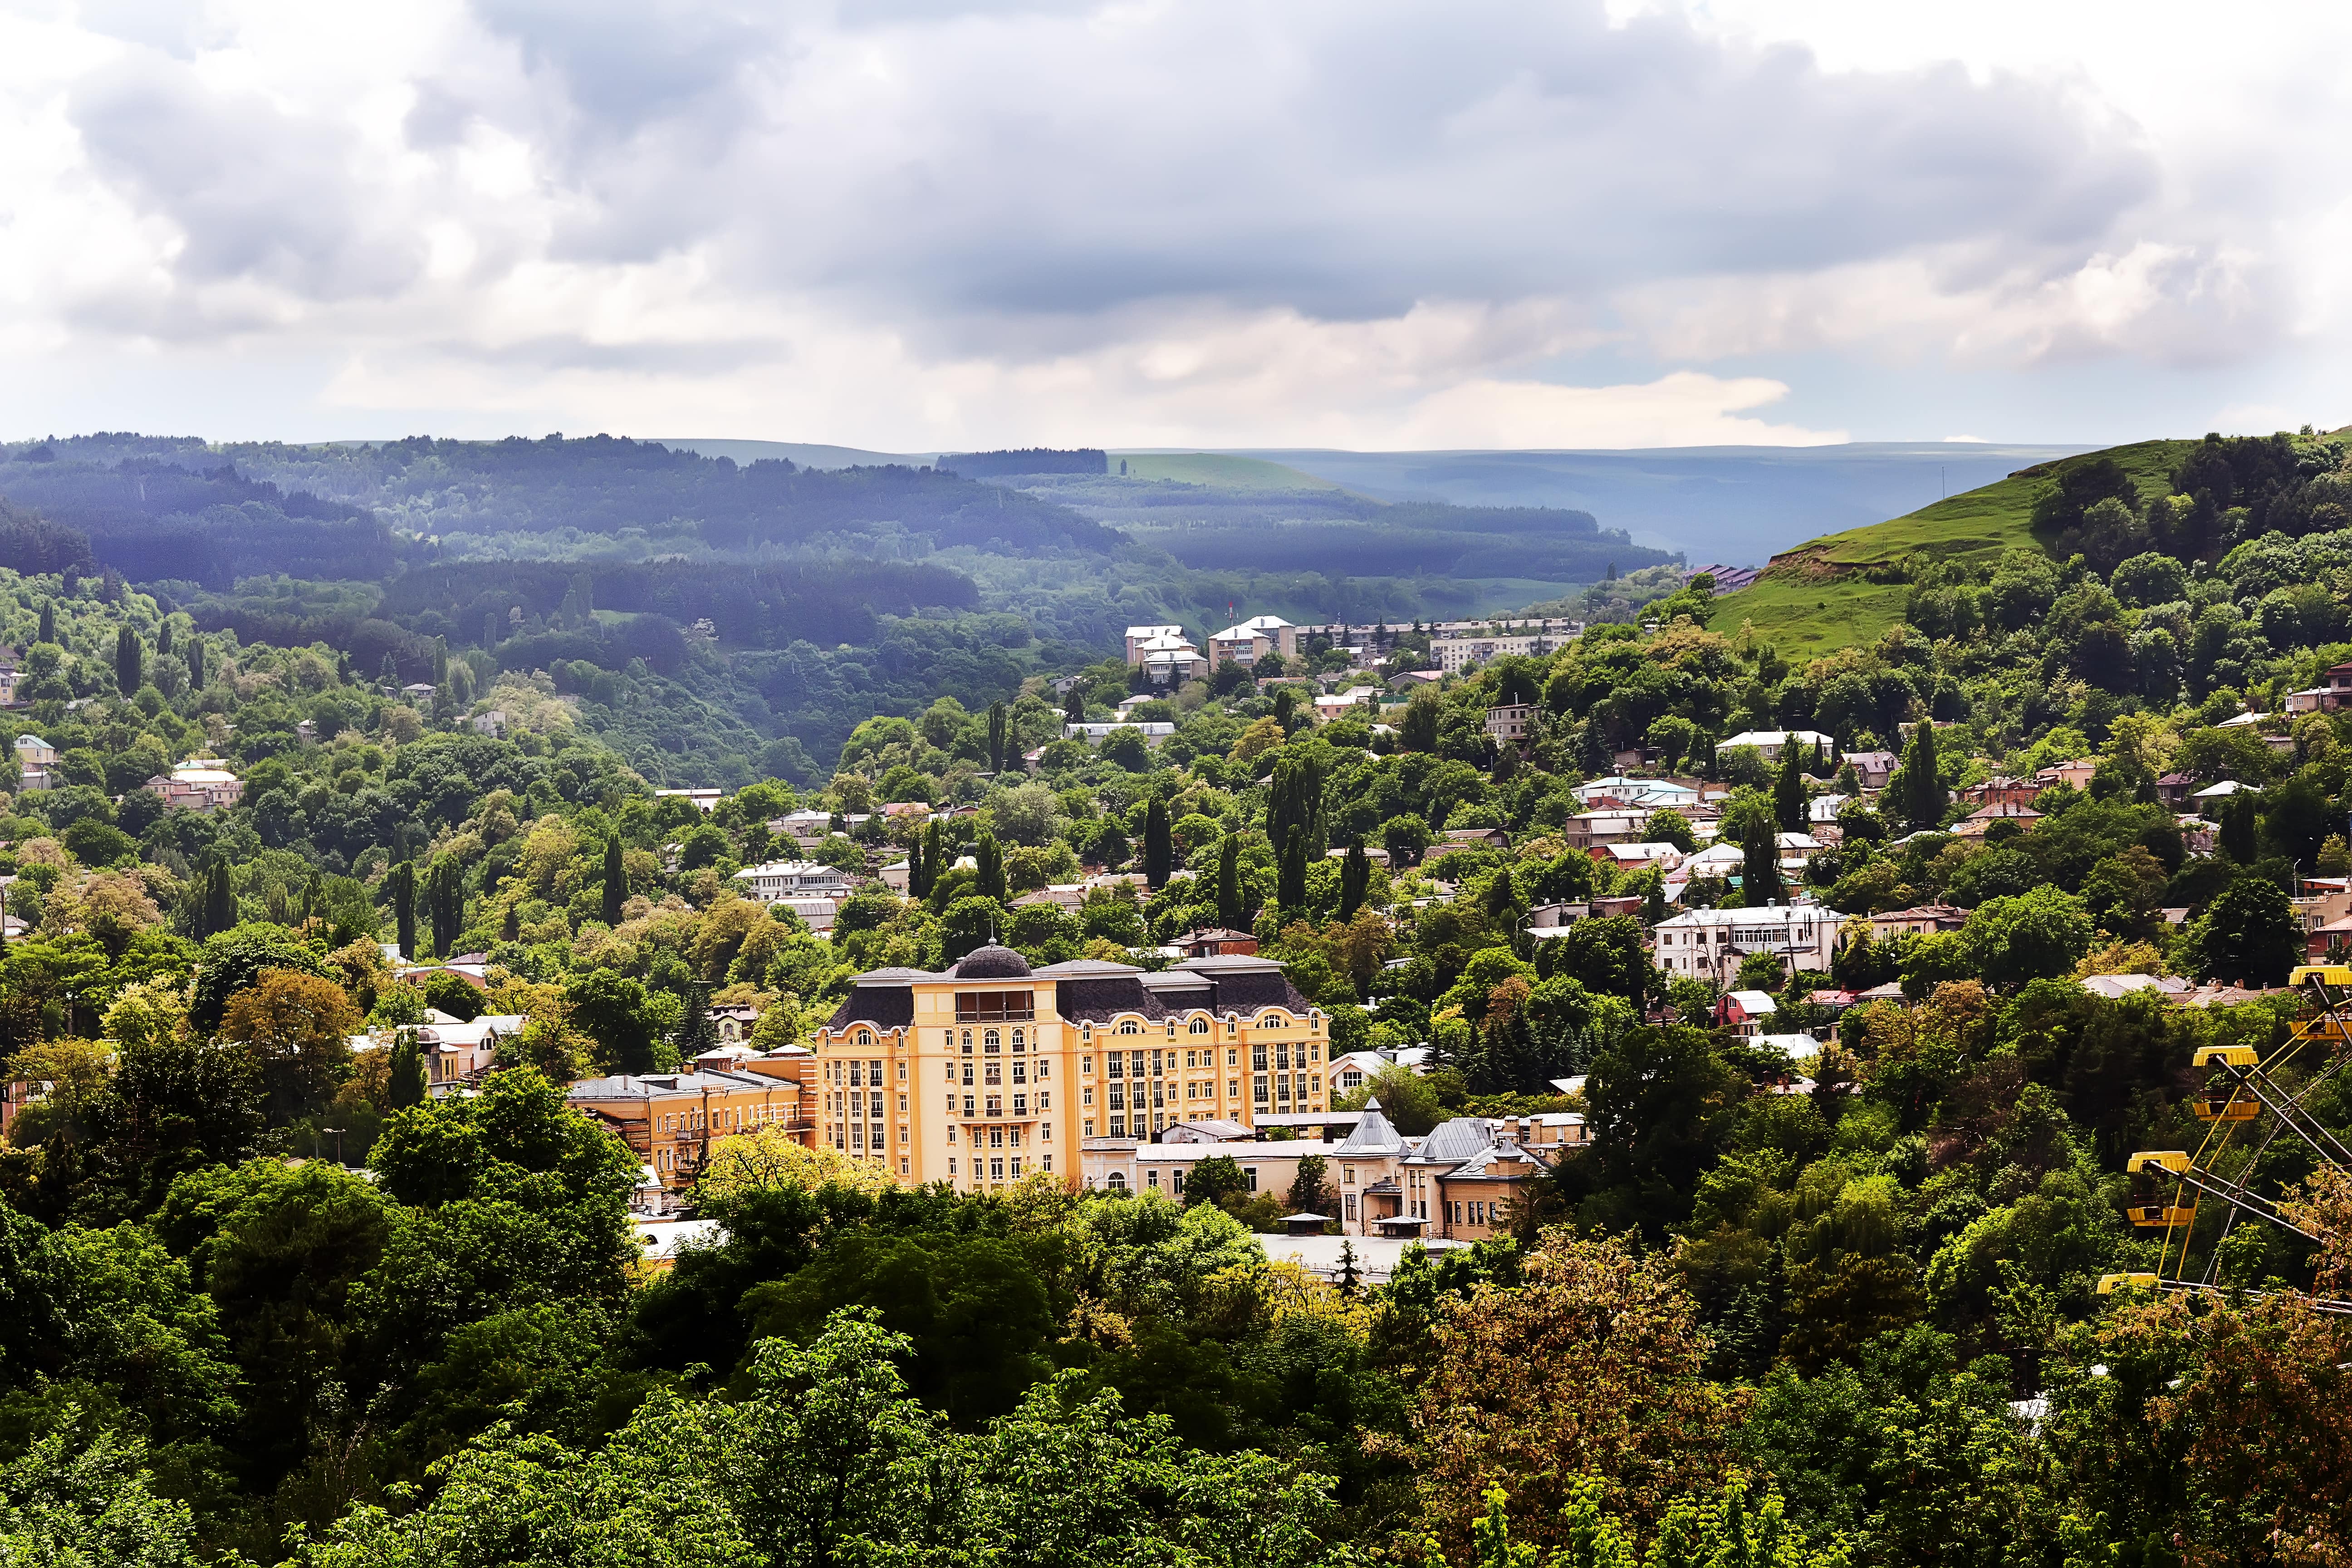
{"points": [[992, 963]]}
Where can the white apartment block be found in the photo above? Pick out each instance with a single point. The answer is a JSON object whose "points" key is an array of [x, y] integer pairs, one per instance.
{"points": [[779, 881], [1707, 944]]}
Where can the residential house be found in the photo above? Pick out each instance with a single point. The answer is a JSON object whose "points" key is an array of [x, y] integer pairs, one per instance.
{"points": [[1770, 743], [1372, 852], [1637, 857], [1170, 659], [2077, 773], [1409, 681], [2173, 789], [1511, 724], [1361, 700], [37, 763], [1153, 732], [1925, 921], [10, 673], [1873, 769], [2001, 790], [1744, 1011], [1977, 823], [196, 786], [1217, 943], [491, 722], [1592, 830], [669, 1120], [703, 800], [952, 1076], [2223, 791], [1134, 1165], [1709, 945], [776, 882], [1460, 1182], [1821, 811]]}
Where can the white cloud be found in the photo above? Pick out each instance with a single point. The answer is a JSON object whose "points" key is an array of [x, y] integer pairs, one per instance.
{"points": [[1499, 222]]}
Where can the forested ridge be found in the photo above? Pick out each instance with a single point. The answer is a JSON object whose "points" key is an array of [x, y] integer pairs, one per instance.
{"points": [[262, 1298]]}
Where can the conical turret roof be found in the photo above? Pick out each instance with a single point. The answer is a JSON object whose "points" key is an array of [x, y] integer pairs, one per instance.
{"points": [[1373, 1134]]}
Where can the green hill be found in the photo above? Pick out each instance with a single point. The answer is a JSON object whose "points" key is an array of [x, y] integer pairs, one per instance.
{"points": [[1845, 588], [1220, 472]]}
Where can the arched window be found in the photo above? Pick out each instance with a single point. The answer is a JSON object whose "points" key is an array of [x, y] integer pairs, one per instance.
{"points": [[865, 1036], [1199, 1026], [1130, 1026], [967, 1042], [1020, 1039], [1117, 1181], [992, 1040]]}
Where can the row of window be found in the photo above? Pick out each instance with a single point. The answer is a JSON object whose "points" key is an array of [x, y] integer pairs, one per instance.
{"points": [[1000, 1168], [721, 1118], [994, 1104], [993, 1072]]}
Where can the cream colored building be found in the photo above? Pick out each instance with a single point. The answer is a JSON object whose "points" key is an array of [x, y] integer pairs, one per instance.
{"points": [[990, 1071]]}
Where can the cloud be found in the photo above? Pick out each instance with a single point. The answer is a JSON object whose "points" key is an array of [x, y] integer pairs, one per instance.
{"points": [[934, 221]]}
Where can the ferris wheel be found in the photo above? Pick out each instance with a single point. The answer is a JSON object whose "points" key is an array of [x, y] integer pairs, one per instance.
{"points": [[2248, 1101]]}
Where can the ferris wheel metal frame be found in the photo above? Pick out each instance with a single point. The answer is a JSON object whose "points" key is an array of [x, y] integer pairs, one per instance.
{"points": [[2250, 1097]]}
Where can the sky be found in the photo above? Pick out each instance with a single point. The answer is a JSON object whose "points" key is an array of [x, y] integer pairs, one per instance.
{"points": [[920, 224]]}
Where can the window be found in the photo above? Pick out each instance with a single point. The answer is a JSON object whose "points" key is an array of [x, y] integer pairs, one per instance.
{"points": [[1087, 1130], [1087, 1095], [967, 1042], [1020, 1105], [996, 1170], [1348, 1175], [1044, 1100], [1199, 1026], [997, 1105], [1151, 1178], [1117, 1181], [992, 1040], [1046, 1163], [905, 1166], [1232, 1058], [996, 1137], [1046, 1135], [1086, 1065], [1021, 1072], [952, 1131], [1259, 1091], [902, 1072], [1115, 1064], [1130, 1026], [1233, 1088], [1176, 1183], [994, 1007], [1257, 1059], [950, 1067], [865, 1036], [1020, 1039], [967, 1105], [1251, 1172], [857, 1075], [1045, 1068], [994, 1073]]}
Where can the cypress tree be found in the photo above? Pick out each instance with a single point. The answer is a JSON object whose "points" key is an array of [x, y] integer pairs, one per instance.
{"points": [[616, 881], [1291, 888], [923, 865], [402, 878], [1228, 882], [130, 661], [220, 900], [1922, 798], [1789, 791], [1760, 866], [440, 661], [407, 1071], [446, 899], [991, 859], [997, 716], [197, 664], [48, 622], [163, 641], [1355, 880], [1074, 707], [490, 630], [1157, 849]]}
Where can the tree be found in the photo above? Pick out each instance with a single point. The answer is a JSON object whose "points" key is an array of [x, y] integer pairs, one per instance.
{"points": [[1417, 731], [196, 664], [1759, 858], [1789, 790], [129, 660], [2236, 818], [1595, 1366], [998, 729], [72, 1501], [401, 881], [48, 632], [1917, 786], [236, 959], [2249, 934], [444, 897], [1291, 886], [409, 1084], [2030, 936], [1158, 851], [616, 881], [1671, 826], [1213, 1181], [1231, 914], [1311, 1189], [298, 1029], [218, 910], [1355, 880], [1074, 707], [610, 1008], [990, 881]]}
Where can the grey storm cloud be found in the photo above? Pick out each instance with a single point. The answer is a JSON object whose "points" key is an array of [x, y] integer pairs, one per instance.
{"points": [[929, 164]]}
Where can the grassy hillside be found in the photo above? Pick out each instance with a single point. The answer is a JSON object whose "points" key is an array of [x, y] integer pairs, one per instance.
{"points": [[1819, 597], [1220, 471]]}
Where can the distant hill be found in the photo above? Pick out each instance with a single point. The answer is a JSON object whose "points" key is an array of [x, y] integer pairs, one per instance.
{"points": [[1737, 505], [1845, 589]]}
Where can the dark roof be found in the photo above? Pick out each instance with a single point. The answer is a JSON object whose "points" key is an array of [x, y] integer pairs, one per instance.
{"points": [[887, 1005], [992, 962]]}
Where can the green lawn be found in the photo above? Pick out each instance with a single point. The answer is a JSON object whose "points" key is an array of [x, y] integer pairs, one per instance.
{"points": [[1222, 472], [1806, 618]]}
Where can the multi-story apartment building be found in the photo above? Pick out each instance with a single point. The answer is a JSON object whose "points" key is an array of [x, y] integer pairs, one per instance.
{"points": [[1251, 640], [1455, 653], [992, 1071], [778, 881], [1707, 944]]}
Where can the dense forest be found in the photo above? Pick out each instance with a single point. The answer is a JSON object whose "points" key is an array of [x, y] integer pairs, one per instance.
{"points": [[829, 595], [261, 1298]]}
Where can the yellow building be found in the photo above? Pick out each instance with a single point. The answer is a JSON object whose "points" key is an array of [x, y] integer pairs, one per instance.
{"points": [[990, 1071], [670, 1119]]}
